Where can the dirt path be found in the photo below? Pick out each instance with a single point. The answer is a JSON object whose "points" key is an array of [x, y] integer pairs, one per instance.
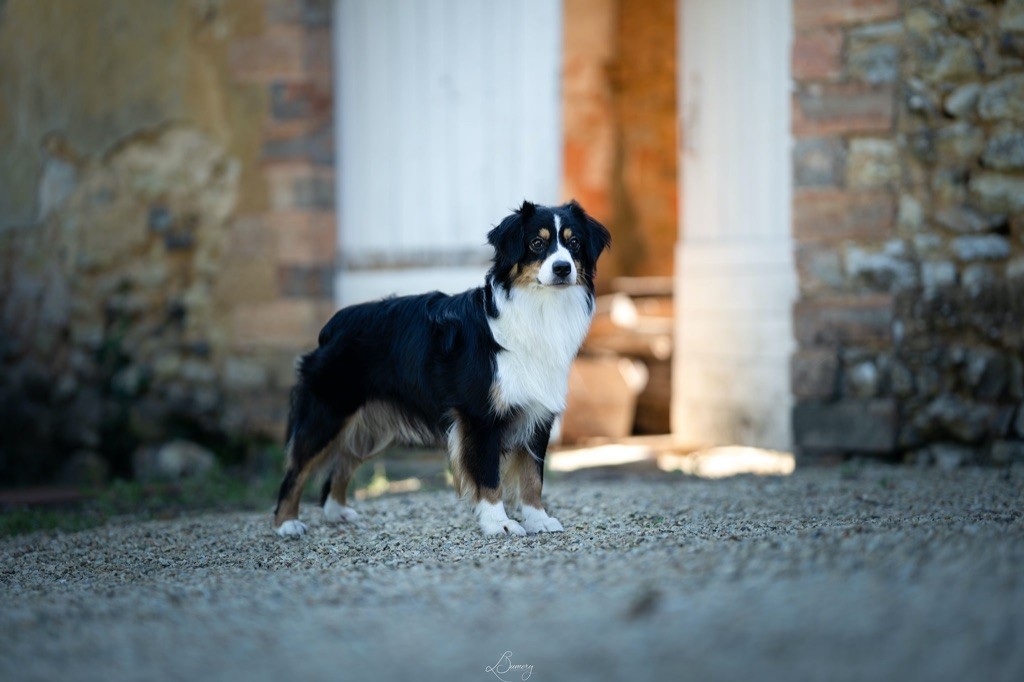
{"points": [[893, 574]]}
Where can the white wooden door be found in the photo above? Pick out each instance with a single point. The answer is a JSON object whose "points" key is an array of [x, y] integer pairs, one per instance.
{"points": [[735, 278], [448, 115]]}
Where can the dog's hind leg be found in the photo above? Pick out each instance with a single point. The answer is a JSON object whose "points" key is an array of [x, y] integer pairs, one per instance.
{"points": [[313, 427], [334, 496], [286, 515]]}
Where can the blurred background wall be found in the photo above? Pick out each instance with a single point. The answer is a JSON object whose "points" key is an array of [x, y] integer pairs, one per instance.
{"points": [[168, 230], [909, 229], [169, 234], [169, 238]]}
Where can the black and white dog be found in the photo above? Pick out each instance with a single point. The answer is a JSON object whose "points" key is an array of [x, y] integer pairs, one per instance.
{"points": [[484, 372]]}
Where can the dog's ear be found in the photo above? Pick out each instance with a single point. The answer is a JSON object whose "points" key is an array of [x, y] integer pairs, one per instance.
{"points": [[508, 240], [598, 238]]}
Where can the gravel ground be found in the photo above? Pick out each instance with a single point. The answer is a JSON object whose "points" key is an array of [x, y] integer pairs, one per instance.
{"points": [[887, 573]]}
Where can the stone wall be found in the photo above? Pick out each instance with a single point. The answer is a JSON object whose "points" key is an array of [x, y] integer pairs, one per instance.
{"points": [[166, 222], [909, 223]]}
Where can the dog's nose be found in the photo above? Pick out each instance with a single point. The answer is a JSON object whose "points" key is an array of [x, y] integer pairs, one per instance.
{"points": [[561, 268]]}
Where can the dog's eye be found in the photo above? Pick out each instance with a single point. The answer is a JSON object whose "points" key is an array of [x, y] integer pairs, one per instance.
{"points": [[537, 244], [574, 244]]}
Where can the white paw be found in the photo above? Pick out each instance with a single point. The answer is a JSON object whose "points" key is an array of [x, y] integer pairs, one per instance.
{"points": [[494, 520], [292, 528], [336, 513], [548, 525], [501, 527], [537, 521]]}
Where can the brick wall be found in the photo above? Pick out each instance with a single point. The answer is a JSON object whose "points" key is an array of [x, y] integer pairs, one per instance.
{"points": [[908, 121], [287, 242]]}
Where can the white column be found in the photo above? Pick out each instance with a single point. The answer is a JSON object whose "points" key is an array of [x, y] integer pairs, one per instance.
{"points": [[735, 278]]}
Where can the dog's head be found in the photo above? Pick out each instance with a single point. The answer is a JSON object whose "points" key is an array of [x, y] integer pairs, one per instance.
{"points": [[547, 246]]}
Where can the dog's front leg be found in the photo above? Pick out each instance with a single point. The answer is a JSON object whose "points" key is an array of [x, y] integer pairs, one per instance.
{"points": [[531, 480], [476, 460]]}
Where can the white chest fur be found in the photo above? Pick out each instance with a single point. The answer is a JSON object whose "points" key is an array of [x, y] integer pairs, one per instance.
{"points": [[541, 330]]}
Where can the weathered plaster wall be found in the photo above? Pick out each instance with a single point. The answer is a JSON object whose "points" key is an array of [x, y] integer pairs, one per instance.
{"points": [[909, 219], [96, 71], [165, 219]]}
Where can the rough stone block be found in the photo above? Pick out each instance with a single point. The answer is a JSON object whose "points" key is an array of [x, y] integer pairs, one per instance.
{"points": [[815, 372], [921, 21], [872, 163], [986, 373], [1005, 148], [910, 213], [997, 192], [944, 58], [949, 187], [1012, 18], [971, 21], [901, 380], [959, 144], [961, 102], [823, 215], [1003, 99], [949, 416], [862, 380], [817, 55], [1012, 45], [818, 162], [848, 108], [853, 426], [873, 51], [950, 456], [929, 243], [981, 247], [819, 268], [887, 268], [977, 278], [937, 275], [844, 319], [966, 220], [919, 98]]}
